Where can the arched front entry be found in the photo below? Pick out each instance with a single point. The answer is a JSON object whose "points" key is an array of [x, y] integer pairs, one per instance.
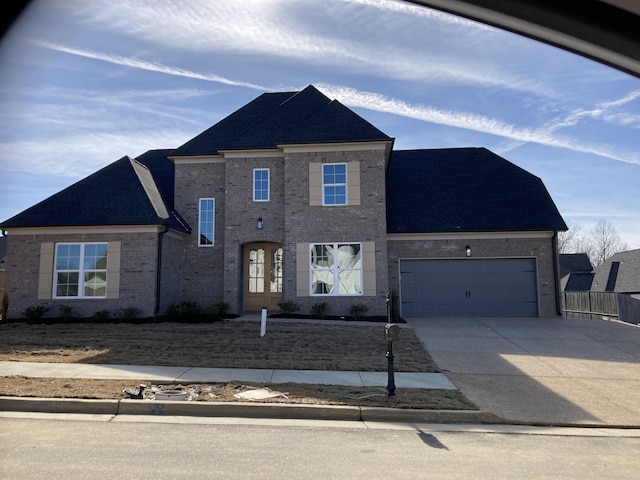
{"points": [[263, 276]]}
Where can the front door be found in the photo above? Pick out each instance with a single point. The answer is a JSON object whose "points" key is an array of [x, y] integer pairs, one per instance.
{"points": [[263, 276]]}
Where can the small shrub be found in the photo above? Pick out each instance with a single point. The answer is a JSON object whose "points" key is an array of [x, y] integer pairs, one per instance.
{"points": [[100, 315], [35, 312], [357, 310], [289, 306], [65, 312], [217, 311], [128, 313], [319, 310], [183, 309]]}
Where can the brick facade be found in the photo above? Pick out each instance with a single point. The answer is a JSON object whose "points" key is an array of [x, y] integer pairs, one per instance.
{"points": [[138, 266], [212, 274]]}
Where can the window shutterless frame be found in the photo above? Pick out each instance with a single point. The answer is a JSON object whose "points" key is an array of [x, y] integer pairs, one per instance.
{"points": [[261, 187], [206, 222]]}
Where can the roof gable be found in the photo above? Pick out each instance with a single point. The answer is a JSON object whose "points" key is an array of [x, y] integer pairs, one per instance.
{"points": [[274, 119], [574, 262], [126, 192], [465, 190], [619, 273]]}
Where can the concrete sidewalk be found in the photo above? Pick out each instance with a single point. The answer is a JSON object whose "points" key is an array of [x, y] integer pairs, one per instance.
{"points": [[542, 371], [210, 375]]}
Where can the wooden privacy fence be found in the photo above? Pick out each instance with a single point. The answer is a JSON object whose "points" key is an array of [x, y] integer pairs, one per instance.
{"points": [[598, 305]]}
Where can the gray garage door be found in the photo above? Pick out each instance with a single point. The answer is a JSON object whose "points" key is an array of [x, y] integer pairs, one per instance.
{"points": [[468, 287]]}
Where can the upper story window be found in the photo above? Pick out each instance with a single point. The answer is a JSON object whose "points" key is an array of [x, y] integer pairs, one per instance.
{"points": [[334, 184], [260, 184], [206, 222], [80, 270], [336, 269]]}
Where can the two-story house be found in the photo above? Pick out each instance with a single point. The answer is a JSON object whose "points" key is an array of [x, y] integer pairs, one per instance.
{"points": [[293, 197]]}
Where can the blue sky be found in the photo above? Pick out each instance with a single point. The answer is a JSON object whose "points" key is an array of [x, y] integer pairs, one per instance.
{"points": [[83, 83]]}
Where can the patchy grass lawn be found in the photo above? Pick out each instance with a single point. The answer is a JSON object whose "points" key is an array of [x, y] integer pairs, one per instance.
{"points": [[227, 344]]}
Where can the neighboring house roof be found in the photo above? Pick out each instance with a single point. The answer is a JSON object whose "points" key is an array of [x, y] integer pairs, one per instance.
{"points": [[619, 273], [3, 249], [574, 262], [465, 190], [275, 119], [126, 192], [577, 282]]}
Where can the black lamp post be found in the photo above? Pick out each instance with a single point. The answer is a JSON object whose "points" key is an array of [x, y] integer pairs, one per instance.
{"points": [[391, 333]]}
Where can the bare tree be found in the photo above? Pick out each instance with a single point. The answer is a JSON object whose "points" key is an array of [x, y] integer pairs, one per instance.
{"points": [[604, 241], [569, 241]]}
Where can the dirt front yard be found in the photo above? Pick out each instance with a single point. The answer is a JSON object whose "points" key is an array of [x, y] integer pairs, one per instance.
{"points": [[226, 344]]}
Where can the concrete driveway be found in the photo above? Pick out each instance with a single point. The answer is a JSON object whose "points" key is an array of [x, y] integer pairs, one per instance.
{"points": [[548, 371]]}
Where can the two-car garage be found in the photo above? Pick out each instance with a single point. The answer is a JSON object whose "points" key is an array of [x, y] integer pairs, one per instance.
{"points": [[468, 287]]}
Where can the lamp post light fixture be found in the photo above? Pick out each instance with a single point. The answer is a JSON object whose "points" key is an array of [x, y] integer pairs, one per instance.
{"points": [[260, 223], [467, 250]]}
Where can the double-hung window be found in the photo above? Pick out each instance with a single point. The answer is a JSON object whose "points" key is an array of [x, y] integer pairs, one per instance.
{"points": [[260, 184], [334, 184], [80, 270], [336, 269], [206, 222]]}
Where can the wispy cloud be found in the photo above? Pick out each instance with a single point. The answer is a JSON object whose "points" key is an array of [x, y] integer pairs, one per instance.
{"points": [[145, 65], [383, 49], [400, 6], [80, 155], [479, 123]]}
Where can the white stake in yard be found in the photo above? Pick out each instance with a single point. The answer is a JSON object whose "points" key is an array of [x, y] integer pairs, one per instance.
{"points": [[263, 322]]}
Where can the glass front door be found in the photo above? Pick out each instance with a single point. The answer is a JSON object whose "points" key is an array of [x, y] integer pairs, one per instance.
{"points": [[263, 277]]}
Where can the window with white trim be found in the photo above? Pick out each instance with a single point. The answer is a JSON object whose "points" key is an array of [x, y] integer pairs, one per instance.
{"points": [[80, 270], [336, 268], [206, 222], [260, 184], [334, 184]]}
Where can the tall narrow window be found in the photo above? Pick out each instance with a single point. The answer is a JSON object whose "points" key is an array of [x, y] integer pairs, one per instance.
{"points": [[260, 184], [80, 270], [334, 184], [336, 269], [206, 222]]}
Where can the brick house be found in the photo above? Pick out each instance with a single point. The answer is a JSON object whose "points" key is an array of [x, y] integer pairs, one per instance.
{"points": [[293, 197]]}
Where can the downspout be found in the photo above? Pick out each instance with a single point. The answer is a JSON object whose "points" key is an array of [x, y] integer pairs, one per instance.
{"points": [[556, 280], [156, 310]]}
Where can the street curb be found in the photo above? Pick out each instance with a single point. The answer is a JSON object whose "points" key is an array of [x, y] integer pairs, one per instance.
{"points": [[58, 405], [239, 409]]}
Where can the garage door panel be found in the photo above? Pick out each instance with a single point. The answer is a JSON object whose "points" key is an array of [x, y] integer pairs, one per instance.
{"points": [[469, 287]]}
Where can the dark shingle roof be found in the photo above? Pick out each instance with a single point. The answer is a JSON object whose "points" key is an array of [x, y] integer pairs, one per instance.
{"points": [[275, 119], [465, 190], [577, 282], [627, 276], [574, 262], [126, 192]]}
